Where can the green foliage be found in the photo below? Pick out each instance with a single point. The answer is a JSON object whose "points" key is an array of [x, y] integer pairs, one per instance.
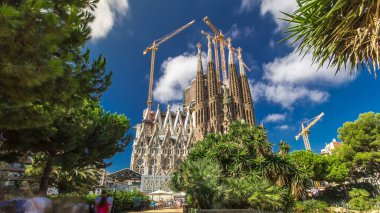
{"points": [[200, 180], [355, 193], [251, 174], [80, 138], [342, 33], [78, 179], [361, 148], [42, 64], [90, 198], [359, 199], [124, 199], [311, 206], [360, 204], [320, 167]]}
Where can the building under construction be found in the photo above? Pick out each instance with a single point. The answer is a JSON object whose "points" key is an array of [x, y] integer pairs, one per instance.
{"points": [[211, 104]]}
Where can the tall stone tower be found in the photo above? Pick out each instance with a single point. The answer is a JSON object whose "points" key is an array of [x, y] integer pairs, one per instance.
{"points": [[246, 93], [213, 93], [235, 86], [201, 112]]}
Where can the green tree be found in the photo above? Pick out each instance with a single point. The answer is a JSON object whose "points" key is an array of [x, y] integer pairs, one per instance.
{"points": [[359, 199], [361, 146], [79, 137], [200, 180], [284, 148], [252, 191], [41, 60], [242, 153], [338, 32], [79, 179], [320, 167]]}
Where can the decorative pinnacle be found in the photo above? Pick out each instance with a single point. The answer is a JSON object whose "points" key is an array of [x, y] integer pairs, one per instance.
{"points": [[209, 53], [200, 68], [199, 46], [241, 66], [230, 56]]}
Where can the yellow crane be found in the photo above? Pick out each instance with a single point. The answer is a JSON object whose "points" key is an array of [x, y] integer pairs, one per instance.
{"points": [[219, 37], [305, 131], [154, 47], [234, 50]]}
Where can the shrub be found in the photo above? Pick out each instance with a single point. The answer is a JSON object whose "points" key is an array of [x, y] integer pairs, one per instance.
{"points": [[123, 200], [360, 204], [311, 206]]}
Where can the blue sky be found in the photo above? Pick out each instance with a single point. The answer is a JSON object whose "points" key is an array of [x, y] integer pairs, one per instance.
{"points": [[286, 90]]}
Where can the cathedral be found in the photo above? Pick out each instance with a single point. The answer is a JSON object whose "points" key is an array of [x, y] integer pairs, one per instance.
{"points": [[164, 138]]}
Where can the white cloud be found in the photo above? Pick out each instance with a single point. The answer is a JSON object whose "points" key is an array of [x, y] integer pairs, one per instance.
{"points": [[274, 118], [247, 5], [106, 13], [288, 95], [293, 79], [282, 127], [293, 69], [273, 7], [177, 75], [235, 32]]}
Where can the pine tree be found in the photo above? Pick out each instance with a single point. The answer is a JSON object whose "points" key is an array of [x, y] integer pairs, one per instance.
{"points": [[41, 59]]}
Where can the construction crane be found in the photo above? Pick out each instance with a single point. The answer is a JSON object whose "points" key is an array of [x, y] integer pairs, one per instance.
{"points": [[220, 38], [154, 48], [305, 131], [234, 50]]}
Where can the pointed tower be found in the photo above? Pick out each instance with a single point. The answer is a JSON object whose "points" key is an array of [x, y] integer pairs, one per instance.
{"points": [[227, 109], [212, 86], [246, 93], [201, 113], [235, 87]]}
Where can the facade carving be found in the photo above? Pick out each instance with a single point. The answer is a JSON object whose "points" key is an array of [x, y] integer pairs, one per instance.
{"points": [[163, 139]]}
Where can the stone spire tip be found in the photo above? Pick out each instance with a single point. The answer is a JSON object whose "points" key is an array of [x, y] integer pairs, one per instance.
{"points": [[209, 53]]}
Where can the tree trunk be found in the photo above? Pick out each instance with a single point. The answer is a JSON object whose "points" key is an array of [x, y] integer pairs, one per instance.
{"points": [[44, 183]]}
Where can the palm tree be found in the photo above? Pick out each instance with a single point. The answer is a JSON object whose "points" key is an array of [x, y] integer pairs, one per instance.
{"points": [[338, 32], [200, 180], [284, 148]]}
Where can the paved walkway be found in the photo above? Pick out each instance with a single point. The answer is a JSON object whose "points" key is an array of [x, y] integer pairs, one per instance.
{"points": [[161, 211]]}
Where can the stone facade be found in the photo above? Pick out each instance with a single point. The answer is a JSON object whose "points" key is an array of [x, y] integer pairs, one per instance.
{"points": [[163, 139]]}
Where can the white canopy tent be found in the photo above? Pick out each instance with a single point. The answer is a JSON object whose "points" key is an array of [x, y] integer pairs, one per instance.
{"points": [[157, 195]]}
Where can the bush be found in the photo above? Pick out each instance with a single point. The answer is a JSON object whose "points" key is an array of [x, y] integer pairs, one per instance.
{"points": [[124, 200], [311, 206], [360, 204], [90, 198]]}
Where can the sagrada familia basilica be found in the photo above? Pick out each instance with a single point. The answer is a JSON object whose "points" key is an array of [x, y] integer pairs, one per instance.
{"points": [[164, 138]]}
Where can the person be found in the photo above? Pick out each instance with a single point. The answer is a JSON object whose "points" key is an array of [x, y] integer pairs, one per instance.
{"points": [[110, 202], [103, 205]]}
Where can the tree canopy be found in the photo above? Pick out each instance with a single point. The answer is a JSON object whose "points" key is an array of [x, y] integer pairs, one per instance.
{"points": [[244, 157], [361, 145], [41, 60]]}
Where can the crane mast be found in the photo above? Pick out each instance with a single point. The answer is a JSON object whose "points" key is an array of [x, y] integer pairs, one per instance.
{"points": [[222, 42], [153, 48], [305, 131], [220, 37]]}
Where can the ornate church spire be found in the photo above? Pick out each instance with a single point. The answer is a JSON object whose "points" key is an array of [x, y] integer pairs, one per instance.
{"points": [[201, 102], [214, 106], [235, 87], [246, 92], [209, 49]]}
